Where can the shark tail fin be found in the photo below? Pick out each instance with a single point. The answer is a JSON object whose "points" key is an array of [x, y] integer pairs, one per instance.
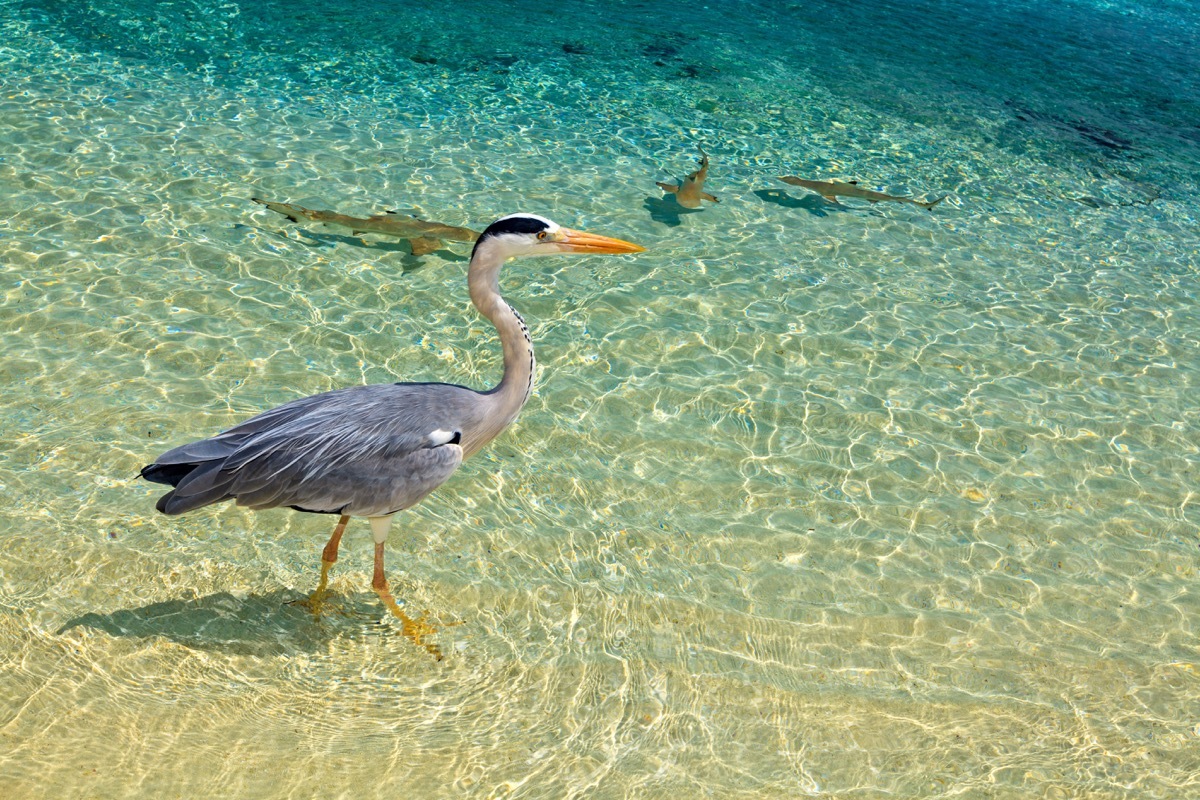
{"points": [[279, 208], [929, 206]]}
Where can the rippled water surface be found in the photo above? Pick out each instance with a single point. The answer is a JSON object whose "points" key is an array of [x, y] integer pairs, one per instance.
{"points": [[855, 501]]}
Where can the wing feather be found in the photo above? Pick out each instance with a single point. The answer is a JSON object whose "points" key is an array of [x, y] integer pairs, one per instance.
{"points": [[366, 451]]}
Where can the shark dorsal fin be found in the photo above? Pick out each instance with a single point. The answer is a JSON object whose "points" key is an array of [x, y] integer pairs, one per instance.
{"points": [[390, 211], [854, 183]]}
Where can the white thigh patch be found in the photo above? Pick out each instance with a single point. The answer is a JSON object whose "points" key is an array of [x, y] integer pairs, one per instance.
{"points": [[380, 527], [440, 437]]}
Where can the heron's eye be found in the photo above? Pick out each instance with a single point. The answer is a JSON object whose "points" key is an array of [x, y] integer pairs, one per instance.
{"points": [[541, 234]]}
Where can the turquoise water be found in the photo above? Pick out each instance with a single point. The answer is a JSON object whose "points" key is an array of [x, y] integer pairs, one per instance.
{"points": [[852, 502]]}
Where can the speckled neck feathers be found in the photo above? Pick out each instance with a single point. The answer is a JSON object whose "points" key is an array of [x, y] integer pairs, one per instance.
{"points": [[508, 397]]}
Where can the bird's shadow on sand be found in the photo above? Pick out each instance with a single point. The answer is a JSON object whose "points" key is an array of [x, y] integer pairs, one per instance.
{"points": [[256, 625], [667, 211], [813, 204]]}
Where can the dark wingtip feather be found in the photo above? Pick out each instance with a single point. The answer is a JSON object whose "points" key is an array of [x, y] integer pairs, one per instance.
{"points": [[161, 505], [169, 474], [173, 505], [172, 475]]}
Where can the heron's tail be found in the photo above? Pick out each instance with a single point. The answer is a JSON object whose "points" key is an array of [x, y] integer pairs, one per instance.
{"points": [[195, 472], [170, 474], [201, 490]]}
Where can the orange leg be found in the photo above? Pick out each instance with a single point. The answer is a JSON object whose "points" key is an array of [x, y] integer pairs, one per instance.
{"points": [[329, 556], [330, 553], [414, 629]]}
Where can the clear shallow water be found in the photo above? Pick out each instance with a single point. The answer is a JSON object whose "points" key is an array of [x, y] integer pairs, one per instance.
{"points": [[855, 502]]}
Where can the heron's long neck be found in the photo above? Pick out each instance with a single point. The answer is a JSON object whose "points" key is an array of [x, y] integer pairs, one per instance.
{"points": [[510, 394]]}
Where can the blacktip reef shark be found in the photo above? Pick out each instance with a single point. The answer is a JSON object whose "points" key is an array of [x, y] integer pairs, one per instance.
{"points": [[424, 237], [832, 190], [690, 192]]}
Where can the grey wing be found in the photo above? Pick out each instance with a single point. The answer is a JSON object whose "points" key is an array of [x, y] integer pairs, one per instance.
{"points": [[367, 451], [385, 474]]}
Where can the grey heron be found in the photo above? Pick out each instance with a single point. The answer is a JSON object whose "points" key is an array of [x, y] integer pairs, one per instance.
{"points": [[372, 451]]}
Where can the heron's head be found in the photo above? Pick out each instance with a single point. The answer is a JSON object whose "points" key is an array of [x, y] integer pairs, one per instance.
{"points": [[531, 235]]}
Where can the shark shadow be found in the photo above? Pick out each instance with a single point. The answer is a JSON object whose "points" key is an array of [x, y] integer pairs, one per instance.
{"points": [[255, 625], [332, 239], [814, 204], [1109, 142], [667, 211], [315, 239]]}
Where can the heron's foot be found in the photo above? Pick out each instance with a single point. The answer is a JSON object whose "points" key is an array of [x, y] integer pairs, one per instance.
{"points": [[415, 630], [315, 602]]}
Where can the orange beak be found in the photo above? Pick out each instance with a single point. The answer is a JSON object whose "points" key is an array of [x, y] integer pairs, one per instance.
{"points": [[580, 242]]}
